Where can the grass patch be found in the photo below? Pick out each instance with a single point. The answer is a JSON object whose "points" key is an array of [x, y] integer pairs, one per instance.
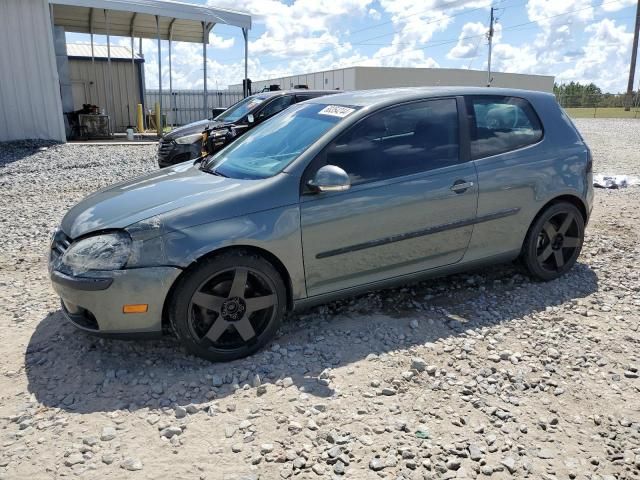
{"points": [[610, 112]]}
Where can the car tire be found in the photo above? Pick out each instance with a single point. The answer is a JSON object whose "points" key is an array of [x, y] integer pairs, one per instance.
{"points": [[228, 306], [554, 241]]}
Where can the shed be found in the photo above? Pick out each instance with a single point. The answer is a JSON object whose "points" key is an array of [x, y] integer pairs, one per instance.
{"points": [[89, 79]]}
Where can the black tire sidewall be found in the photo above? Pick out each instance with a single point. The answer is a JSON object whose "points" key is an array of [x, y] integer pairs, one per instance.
{"points": [[530, 247], [193, 278]]}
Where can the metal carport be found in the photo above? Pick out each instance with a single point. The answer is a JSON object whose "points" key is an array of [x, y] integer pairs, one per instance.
{"points": [[156, 19]]}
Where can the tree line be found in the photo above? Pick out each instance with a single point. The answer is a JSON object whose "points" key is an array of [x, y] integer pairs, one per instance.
{"points": [[576, 95]]}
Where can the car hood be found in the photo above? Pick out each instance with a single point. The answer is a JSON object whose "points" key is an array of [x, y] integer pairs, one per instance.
{"points": [[192, 128], [183, 194]]}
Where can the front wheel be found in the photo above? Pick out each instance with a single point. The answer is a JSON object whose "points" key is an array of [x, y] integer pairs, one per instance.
{"points": [[228, 307], [554, 241]]}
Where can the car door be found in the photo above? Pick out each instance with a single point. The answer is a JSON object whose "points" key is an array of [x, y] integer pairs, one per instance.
{"points": [[412, 202]]}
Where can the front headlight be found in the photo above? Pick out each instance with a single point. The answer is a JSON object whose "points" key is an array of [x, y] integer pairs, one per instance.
{"points": [[101, 252], [189, 139]]}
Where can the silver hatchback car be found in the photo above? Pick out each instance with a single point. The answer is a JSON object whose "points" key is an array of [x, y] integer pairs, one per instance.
{"points": [[330, 198]]}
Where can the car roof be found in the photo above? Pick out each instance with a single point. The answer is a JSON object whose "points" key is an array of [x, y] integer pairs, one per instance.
{"points": [[384, 96], [276, 93]]}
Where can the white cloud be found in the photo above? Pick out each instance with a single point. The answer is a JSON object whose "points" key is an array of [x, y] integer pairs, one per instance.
{"points": [[375, 14], [299, 28], [605, 57], [614, 6], [468, 41]]}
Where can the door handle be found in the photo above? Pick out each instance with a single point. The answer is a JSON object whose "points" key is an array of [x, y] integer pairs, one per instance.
{"points": [[461, 186]]}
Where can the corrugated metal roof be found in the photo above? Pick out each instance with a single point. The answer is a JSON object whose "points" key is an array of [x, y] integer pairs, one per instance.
{"points": [[118, 52], [138, 18]]}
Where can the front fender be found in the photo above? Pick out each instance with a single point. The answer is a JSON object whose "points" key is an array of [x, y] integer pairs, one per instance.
{"points": [[277, 231]]}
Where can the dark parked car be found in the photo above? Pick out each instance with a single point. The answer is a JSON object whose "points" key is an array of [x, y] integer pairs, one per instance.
{"points": [[330, 198], [185, 143]]}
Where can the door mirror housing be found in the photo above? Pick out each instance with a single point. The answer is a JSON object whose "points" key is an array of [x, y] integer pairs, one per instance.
{"points": [[330, 179], [250, 118]]}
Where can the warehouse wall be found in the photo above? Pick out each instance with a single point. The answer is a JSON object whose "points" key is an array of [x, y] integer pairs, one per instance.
{"points": [[340, 79], [360, 78], [381, 77], [29, 89], [90, 84]]}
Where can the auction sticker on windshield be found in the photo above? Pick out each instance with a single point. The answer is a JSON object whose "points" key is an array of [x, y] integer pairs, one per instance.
{"points": [[336, 111]]}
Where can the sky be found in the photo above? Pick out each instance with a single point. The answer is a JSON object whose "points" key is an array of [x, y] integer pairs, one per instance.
{"points": [[579, 40]]}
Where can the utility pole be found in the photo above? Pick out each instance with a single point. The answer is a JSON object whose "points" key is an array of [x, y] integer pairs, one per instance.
{"points": [[632, 67], [490, 38]]}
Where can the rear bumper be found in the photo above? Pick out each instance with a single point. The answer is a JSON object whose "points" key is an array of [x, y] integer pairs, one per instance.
{"points": [[96, 304]]}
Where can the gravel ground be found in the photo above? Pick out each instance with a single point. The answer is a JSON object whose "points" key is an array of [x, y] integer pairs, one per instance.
{"points": [[481, 375]]}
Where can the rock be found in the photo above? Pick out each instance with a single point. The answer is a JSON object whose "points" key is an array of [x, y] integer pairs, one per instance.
{"points": [[388, 391], [108, 458], [180, 412], [131, 464], [545, 453], [74, 459], [108, 433], [287, 382], [261, 389], [90, 441], [266, 448], [217, 380], [453, 464], [376, 464], [157, 388], [509, 463], [475, 453], [418, 364], [170, 432], [318, 469]]}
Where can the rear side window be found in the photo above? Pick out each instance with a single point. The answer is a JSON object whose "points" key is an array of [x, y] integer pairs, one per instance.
{"points": [[275, 106], [501, 124]]}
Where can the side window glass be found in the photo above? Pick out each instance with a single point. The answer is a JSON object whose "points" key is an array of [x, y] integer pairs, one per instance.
{"points": [[399, 141], [276, 106], [501, 124]]}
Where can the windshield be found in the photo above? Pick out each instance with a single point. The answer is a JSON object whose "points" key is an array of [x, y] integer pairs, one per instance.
{"points": [[271, 146], [240, 109]]}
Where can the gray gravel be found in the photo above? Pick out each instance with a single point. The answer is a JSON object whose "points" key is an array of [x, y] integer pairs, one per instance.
{"points": [[480, 375]]}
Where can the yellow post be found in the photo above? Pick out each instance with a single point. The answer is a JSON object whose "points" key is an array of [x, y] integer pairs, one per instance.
{"points": [[140, 119], [158, 119]]}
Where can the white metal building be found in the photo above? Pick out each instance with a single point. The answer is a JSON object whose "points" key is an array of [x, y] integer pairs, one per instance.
{"points": [[360, 78], [33, 92]]}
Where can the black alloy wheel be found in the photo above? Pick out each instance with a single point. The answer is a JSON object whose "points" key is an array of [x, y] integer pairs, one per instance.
{"points": [[228, 307], [554, 241]]}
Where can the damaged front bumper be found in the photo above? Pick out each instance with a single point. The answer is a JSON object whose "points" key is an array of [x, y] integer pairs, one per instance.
{"points": [[96, 303]]}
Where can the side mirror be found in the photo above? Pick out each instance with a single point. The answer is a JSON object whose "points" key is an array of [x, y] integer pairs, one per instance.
{"points": [[250, 118], [330, 179]]}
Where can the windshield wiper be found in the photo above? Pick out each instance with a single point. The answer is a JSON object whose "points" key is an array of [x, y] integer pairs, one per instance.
{"points": [[213, 171]]}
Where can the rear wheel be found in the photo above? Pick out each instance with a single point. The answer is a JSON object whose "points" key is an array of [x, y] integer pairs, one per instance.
{"points": [[228, 307], [554, 241]]}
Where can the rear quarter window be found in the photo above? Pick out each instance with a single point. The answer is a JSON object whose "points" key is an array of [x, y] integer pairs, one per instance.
{"points": [[501, 124]]}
